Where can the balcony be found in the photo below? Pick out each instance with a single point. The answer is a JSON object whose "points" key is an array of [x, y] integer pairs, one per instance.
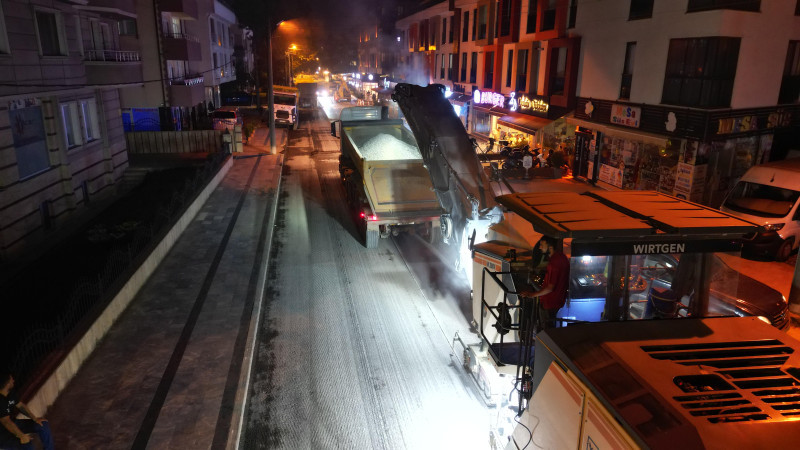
{"points": [[183, 47], [183, 9], [186, 91], [114, 9], [112, 66]]}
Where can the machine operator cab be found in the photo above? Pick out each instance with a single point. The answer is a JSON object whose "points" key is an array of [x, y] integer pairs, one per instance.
{"points": [[633, 256]]}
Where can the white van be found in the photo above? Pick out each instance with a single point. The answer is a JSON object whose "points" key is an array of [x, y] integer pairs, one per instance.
{"points": [[768, 195], [226, 117]]}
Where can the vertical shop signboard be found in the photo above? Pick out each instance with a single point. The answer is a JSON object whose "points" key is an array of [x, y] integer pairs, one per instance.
{"points": [[690, 181]]}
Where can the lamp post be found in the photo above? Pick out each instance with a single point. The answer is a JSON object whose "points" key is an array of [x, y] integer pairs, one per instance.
{"points": [[270, 89]]}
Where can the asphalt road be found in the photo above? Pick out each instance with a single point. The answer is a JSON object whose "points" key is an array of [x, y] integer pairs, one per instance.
{"points": [[354, 349]]}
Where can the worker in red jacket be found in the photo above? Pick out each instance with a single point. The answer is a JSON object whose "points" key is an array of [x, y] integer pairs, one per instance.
{"points": [[553, 294]]}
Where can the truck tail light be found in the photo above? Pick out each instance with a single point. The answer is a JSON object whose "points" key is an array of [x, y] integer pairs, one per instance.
{"points": [[370, 217]]}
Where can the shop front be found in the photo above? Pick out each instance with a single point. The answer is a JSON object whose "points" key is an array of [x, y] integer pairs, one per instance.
{"points": [[520, 120], [691, 154]]}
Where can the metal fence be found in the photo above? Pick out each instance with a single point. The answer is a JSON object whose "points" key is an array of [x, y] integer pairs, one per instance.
{"points": [[194, 141], [88, 296]]}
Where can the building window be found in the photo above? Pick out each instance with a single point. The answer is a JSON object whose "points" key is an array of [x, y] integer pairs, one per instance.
{"points": [[558, 74], [463, 67], [627, 71], [80, 122], [441, 72], [505, 18], [531, 27], [91, 126], [700, 71], [641, 9], [482, 25], [549, 16], [444, 30], [473, 68], [465, 27], [475, 22], [573, 13], [522, 70], [739, 5], [27, 132], [488, 80], [72, 125], [50, 31], [451, 31], [127, 27], [790, 84], [451, 66], [509, 67]]}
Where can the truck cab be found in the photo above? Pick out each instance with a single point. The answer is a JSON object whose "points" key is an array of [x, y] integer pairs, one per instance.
{"points": [[285, 100]]}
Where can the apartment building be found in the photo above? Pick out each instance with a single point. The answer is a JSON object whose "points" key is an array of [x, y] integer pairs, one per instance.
{"points": [[683, 96], [679, 96], [511, 65], [187, 49], [63, 66]]}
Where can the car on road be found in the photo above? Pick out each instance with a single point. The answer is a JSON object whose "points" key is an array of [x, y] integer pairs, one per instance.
{"points": [[769, 195]]}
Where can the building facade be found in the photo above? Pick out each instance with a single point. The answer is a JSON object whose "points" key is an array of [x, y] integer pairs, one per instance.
{"points": [[679, 96], [511, 64], [684, 96], [188, 53], [64, 65]]}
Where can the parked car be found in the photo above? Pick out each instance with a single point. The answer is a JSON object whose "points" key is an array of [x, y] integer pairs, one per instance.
{"points": [[768, 195], [226, 118]]}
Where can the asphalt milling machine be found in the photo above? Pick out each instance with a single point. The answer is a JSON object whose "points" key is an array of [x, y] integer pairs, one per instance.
{"points": [[636, 360]]}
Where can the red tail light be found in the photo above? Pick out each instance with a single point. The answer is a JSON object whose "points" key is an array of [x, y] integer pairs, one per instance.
{"points": [[369, 217]]}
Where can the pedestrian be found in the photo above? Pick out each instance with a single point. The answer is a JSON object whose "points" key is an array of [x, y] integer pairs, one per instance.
{"points": [[16, 433], [542, 159], [553, 294]]}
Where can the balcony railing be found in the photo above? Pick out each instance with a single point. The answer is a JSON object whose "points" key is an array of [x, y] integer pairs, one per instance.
{"points": [[184, 36], [112, 55], [187, 81]]}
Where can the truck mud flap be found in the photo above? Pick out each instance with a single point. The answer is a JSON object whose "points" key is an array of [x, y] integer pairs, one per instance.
{"points": [[371, 238]]}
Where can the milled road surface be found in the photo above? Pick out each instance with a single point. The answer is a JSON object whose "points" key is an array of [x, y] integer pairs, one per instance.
{"points": [[350, 353]]}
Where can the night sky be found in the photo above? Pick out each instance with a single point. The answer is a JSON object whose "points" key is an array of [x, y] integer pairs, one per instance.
{"points": [[328, 27]]}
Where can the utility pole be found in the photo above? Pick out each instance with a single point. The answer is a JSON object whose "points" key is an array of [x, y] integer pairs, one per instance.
{"points": [[270, 90]]}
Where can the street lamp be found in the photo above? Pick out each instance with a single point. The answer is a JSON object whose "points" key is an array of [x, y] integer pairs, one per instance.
{"points": [[271, 88], [289, 53]]}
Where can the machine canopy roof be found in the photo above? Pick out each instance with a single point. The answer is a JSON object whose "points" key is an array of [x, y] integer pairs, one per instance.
{"points": [[629, 222]]}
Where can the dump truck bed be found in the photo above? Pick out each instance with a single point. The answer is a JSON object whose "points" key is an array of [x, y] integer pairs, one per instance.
{"points": [[395, 178]]}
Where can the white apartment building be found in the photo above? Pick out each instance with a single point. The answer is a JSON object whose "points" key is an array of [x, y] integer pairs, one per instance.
{"points": [[683, 96]]}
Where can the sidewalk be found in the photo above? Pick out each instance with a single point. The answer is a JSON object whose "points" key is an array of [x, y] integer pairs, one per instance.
{"points": [[172, 370]]}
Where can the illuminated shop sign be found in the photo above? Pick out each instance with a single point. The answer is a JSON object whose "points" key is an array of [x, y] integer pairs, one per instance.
{"points": [[626, 115], [536, 105], [488, 98], [743, 124]]}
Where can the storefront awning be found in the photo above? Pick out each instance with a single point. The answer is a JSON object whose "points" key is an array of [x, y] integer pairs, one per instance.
{"points": [[460, 99], [493, 110], [611, 130], [524, 122]]}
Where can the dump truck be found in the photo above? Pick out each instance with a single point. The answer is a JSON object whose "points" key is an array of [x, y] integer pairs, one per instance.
{"points": [[387, 184], [307, 99]]}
